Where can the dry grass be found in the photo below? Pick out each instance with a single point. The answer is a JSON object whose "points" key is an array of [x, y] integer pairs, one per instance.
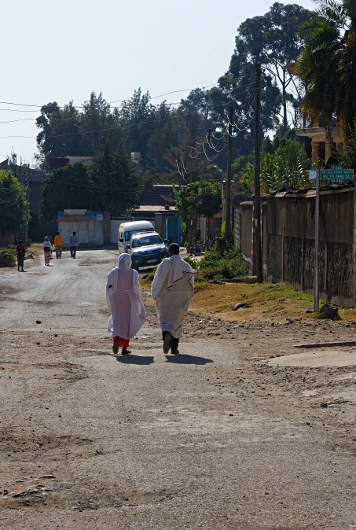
{"points": [[267, 301]]}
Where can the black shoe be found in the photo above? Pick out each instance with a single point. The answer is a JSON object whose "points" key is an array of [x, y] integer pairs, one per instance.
{"points": [[167, 343], [115, 346], [174, 351]]}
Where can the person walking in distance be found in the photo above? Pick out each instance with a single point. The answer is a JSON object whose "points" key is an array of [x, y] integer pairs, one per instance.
{"points": [[124, 300], [73, 242], [47, 248], [58, 243], [172, 290], [20, 251]]}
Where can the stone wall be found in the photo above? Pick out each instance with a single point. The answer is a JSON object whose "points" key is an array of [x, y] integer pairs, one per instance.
{"points": [[288, 244]]}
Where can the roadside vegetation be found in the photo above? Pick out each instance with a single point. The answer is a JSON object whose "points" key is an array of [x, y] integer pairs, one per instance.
{"points": [[267, 301], [7, 257], [216, 265]]}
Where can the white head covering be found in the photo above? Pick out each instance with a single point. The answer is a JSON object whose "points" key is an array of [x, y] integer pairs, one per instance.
{"points": [[124, 262]]}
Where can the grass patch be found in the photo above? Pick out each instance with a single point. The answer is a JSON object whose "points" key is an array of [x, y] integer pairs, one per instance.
{"points": [[267, 301]]}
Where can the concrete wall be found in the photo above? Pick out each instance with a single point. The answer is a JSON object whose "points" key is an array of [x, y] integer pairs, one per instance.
{"points": [[8, 239], [245, 236], [89, 231], [160, 221], [288, 241]]}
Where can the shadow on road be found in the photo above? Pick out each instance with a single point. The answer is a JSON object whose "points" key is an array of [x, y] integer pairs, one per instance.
{"points": [[134, 359], [187, 359]]}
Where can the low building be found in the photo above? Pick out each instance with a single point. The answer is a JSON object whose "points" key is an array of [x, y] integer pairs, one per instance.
{"points": [[88, 225]]}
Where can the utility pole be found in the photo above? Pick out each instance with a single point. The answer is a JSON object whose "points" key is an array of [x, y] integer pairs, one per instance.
{"points": [[257, 176], [228, 180], [27, 205], [316, 252]]}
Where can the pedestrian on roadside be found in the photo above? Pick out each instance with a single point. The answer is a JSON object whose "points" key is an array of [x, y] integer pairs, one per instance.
{"points": [[172, 290], [20, 251], [195, 248], [49, 237], [47, 247], [124, 300], [73, 242], [58, 243]]}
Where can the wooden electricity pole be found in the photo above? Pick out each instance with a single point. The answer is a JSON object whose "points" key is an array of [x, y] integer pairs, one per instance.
{"points": [[228, 179], [27, 205], [316, 252], [257, 223]]}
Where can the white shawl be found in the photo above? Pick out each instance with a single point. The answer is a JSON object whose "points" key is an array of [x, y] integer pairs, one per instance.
{"points": [[134, 318], [172, 289]]}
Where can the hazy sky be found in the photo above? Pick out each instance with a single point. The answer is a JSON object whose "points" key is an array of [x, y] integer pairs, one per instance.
{"points": [[62, 50]]}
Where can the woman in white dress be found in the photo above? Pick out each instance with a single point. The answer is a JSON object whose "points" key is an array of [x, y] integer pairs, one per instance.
{"points": [[124, 299]]}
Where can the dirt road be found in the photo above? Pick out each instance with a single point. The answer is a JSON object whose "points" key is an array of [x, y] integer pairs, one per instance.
{"points": [[230, 434]]}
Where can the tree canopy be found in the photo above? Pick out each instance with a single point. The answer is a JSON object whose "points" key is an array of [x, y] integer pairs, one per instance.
{"points": [[110, 184], [67, 187], [178, 143], [327, 66], [12, 203]]}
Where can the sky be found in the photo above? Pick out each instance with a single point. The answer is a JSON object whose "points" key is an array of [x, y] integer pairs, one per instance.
{"points": [[63, 50]]}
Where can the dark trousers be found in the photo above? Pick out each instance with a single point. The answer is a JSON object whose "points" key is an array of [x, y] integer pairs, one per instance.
{"points": [[174, 341], [73, 250], [20, 260]]}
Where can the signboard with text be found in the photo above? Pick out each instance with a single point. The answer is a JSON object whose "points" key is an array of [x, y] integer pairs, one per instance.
{"points": [[334, 175], [75, 212]]}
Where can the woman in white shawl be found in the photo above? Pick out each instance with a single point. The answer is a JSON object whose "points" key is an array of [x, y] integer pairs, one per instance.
{"points": [[172, 289], [123, 295]]}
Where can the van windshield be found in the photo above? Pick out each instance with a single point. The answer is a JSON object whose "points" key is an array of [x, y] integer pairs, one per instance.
{"points": [[130, 233], [144, 241]]}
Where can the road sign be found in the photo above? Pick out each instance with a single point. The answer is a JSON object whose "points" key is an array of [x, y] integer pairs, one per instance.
{"points": [[337, 175], [336, 166], [312, 174]]}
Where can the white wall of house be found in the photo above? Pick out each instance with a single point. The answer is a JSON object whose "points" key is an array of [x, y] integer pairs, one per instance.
{"points": [[89, 231]]}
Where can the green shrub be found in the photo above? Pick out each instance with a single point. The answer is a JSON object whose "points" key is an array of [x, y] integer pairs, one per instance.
{"points": [[216, 266], [151, 275], [7, 257]]}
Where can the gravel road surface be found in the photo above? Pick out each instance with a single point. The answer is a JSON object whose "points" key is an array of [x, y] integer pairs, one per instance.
{"points": [[227, 435]]}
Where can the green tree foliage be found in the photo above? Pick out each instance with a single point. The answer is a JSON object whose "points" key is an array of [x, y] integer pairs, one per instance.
{"points": [[219, 266], [284, 162], [96, 121], [135, 117], [209, 201], [199, 200], [67, 187], [12, 203], [110, 184], [327, 66], [349, 153], [118, 186], [161, 132], [59, 134], [288, 167], [184, 166], [272, 40]]}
